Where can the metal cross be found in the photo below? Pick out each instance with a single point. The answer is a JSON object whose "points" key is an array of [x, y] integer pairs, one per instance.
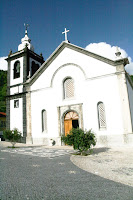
{"points": [[65, 32], [26, 26]]}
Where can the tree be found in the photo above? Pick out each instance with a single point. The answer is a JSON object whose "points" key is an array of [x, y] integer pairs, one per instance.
{"points": [[80, 139], [12, 135]]}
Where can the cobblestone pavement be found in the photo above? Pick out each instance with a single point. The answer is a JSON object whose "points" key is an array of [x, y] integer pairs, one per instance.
{"points": [[27, 177], [39, 152]]}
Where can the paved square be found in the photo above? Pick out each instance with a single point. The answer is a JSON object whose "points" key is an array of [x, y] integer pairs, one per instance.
{"points": [[38, 173], [39, 152]]}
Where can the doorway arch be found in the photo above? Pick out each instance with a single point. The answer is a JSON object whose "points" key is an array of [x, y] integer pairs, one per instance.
{"points": [[71, 120]]}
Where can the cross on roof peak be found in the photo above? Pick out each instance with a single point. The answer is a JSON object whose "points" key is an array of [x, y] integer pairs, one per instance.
{"points": [[26, 27], [65, 32]]}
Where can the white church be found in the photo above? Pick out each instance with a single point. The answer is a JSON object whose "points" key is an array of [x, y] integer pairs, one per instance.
{"points": [[72, 88]]}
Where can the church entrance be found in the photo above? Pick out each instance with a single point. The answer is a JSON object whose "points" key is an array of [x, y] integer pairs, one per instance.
{"points": [[70, 121]]}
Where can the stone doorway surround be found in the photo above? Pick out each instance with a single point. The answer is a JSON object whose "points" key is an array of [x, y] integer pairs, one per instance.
{"points": [[62, 110]]}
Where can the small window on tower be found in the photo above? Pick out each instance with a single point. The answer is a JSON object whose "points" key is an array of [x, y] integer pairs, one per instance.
{"points": [[16, 103], [16, 69]]}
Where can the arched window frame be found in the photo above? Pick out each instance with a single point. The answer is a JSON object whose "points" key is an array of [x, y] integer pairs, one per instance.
{"points": [[16, 70], [101, 116], [68, 93], [44, 120], [34, 67]]}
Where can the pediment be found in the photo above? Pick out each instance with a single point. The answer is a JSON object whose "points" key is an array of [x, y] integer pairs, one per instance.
{"points": [[75, 48]]}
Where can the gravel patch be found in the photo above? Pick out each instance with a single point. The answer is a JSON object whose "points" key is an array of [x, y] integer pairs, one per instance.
{"points": [[114, 164]]}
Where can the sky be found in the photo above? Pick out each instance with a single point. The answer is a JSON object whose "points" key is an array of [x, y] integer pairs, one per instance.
{"points": [[96, 22]]}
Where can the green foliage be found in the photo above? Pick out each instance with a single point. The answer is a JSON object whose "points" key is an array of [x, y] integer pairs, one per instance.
{"points": [[3, 77], [12, 135], [3, 106], [131, 77], [3, 86], [80, 140]]}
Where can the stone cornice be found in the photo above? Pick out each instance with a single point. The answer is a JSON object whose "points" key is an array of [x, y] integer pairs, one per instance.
{"points": [[21, 52], [123, 61], [16, 54], [16, 85], [17, 95]]}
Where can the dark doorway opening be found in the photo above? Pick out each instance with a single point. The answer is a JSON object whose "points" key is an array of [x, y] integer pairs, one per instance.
{"points": [[75, 123], [70, 121]]}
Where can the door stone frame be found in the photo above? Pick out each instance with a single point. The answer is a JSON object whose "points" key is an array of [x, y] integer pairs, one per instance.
{"points": [[62, 110]]}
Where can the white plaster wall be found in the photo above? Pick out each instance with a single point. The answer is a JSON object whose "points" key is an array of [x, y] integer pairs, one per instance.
{"points": [[15, 90], [89, 92], [130, 96], [16, 115], [17, 80], [46, 102], [90, 66], [106, 91]]}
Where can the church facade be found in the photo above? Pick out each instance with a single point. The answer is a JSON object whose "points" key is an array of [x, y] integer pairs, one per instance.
{"points": [[72, 88]]}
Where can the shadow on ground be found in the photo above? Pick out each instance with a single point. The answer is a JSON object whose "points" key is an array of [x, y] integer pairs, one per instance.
{"points": [[91, 151], [100, 150]]}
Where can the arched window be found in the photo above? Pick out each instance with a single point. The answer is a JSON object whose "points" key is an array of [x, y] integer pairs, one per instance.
{"points": [[16, 73], [34, 68], [101, 115], [44, 121], [68, 87]]}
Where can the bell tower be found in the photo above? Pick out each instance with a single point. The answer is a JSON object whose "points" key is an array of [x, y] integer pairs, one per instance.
{"points": [[21, 66]]}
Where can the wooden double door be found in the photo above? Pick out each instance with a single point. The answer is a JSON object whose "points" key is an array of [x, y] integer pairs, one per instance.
{"points": [[70, 121]]}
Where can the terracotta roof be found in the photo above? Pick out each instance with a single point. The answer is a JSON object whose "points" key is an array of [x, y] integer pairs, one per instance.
{"points": [[2, 113]]}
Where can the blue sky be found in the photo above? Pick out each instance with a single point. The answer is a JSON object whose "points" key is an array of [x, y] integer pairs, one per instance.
{"points": [[89, 21]]}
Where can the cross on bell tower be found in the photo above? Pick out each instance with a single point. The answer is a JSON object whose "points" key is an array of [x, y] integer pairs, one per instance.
{"points": [[26, 27], [65, 32]]}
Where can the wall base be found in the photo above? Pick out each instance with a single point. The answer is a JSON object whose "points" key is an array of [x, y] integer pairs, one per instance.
{"points": [[47, 141], [115, 140], [29, 140], [102, 141]]}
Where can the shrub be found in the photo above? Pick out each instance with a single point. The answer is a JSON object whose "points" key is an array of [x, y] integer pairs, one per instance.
{"points": [[12, 136], [80, 139]]}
